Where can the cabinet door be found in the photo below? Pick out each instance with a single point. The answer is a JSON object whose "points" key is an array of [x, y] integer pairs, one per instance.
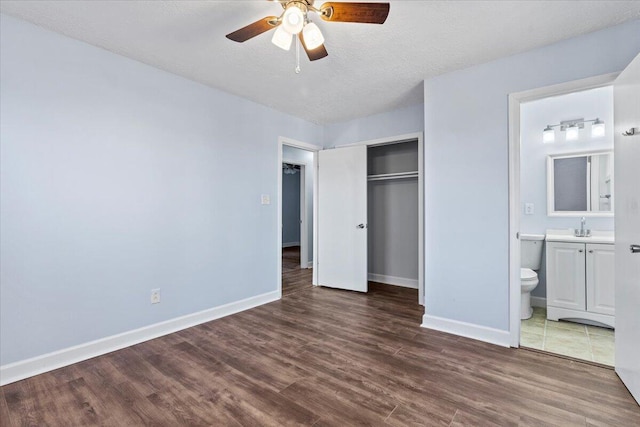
{"points": [[600, 279], [566, 275]]}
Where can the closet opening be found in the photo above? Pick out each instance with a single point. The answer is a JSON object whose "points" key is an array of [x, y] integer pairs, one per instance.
{"points": [[370, 216], [392, 213]]}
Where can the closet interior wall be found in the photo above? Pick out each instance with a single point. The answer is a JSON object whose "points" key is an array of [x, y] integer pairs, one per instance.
{"points": [[392, 171]]}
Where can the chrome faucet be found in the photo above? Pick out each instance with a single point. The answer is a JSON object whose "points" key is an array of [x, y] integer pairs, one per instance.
{"points": [[583, 232]]}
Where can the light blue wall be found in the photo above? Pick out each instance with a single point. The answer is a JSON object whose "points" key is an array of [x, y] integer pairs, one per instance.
{"points": [[466, 167], [118, 178], [534, 116], [297, 155], [397, 122], [290, 209]]}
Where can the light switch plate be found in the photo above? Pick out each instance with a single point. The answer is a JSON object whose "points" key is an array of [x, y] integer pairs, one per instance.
{"points": [[528, 209], [265, 199]]}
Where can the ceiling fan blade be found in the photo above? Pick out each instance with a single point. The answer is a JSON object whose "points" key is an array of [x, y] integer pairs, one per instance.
{"points": [[255, 29], [366, 13], [315, 54]]}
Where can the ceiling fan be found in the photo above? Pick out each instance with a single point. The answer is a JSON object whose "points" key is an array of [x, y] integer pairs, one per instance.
{"points": [[295, 21]]}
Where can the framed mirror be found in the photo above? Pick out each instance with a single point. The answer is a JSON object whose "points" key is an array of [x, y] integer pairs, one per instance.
{"points": [[580, 184]]}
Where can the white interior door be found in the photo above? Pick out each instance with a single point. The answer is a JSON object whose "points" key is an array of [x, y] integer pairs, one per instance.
{"points": [[342, 218], [627, 210]]}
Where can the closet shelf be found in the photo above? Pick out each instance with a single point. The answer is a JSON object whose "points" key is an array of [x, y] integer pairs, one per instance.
{"points": [[388, 176]]}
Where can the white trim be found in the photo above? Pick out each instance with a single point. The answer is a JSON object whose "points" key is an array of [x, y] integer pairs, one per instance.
{"points": [[314, 149], [304, 230], [17, 371], [538, 302], [386, 140], [310, 264], [395, 281], [550, 185], [290, 244], [557, 313], [468, 330], [515, 99], [421, 219]]}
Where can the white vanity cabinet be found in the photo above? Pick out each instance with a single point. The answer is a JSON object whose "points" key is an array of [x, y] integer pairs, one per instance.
{"points": [[566, 276], [600, 275], [580, 281]]}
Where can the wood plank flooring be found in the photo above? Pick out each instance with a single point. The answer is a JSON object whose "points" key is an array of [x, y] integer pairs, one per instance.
{"points": [[294, 278], [321, 357]]}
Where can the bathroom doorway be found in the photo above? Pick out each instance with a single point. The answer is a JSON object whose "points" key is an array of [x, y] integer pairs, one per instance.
{"points": [[562, 284]]}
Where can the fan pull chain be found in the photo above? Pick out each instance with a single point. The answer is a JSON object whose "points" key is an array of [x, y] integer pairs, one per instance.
{"points": [[297, 55]]}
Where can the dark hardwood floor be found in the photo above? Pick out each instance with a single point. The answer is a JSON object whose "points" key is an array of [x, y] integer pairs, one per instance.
{"points": [[321, 357], [294, 278]]}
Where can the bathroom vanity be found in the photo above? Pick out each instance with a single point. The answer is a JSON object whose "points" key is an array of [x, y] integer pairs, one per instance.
{"points": [[580, 276]]}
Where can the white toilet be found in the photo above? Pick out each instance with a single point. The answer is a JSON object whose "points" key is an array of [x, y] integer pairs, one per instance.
{"points": [[530, 259]]}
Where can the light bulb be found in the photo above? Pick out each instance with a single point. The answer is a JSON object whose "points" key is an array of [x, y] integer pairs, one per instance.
{"points": [[282, 38], [548, 135], [572, 133], [597, 129], [293, 19], [313, 38]]}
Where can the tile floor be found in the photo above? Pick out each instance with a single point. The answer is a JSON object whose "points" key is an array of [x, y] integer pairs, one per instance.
{"points": [[567, 338]]}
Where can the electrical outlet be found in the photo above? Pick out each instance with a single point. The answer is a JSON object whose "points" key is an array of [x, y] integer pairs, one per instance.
{"points": [[155, 296], [265, 199]]}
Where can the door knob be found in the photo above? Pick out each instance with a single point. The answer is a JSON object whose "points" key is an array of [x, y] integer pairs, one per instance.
{"points": [[361, 225], [635, 249]]}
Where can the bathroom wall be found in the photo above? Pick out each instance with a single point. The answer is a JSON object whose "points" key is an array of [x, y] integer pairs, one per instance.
{"points": [[535, 116]]}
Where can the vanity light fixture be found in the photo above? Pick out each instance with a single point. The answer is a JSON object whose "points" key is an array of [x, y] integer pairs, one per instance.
{"points": [[597, 129], [572, 129], [572, 133], [548, 135]]}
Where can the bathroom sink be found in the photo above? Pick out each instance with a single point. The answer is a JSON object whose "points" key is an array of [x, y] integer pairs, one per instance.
{"points": [[567, 235]]}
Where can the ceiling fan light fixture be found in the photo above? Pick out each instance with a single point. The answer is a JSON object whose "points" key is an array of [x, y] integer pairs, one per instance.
{"points": [[312, 35], [293, 18], [282, 38]]}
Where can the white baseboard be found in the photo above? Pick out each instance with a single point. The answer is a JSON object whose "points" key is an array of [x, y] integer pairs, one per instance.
{"points": [[20, 370], [290, 244], [310, 264], [467, 330], [396, 281], [538, 302]]}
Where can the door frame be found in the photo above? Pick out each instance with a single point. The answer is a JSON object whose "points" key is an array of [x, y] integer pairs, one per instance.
{"points": [[304, 234], [282, 141], [419, 136], [515, 100]]}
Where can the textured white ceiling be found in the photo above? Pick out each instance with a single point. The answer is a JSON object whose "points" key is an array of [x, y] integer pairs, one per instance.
{"points": [[370, 68]]}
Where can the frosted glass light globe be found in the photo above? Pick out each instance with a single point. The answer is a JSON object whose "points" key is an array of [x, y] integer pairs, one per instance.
{"points": [[293, 19]]}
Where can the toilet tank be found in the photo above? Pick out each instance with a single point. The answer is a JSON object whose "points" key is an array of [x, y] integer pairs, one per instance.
{"points": [[531, 250]]}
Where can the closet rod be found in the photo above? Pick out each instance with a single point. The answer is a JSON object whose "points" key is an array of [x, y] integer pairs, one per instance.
{"points": [[387, 176]]}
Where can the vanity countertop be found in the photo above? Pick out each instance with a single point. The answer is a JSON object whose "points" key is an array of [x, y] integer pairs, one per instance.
{"points": [[567, 235]]}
